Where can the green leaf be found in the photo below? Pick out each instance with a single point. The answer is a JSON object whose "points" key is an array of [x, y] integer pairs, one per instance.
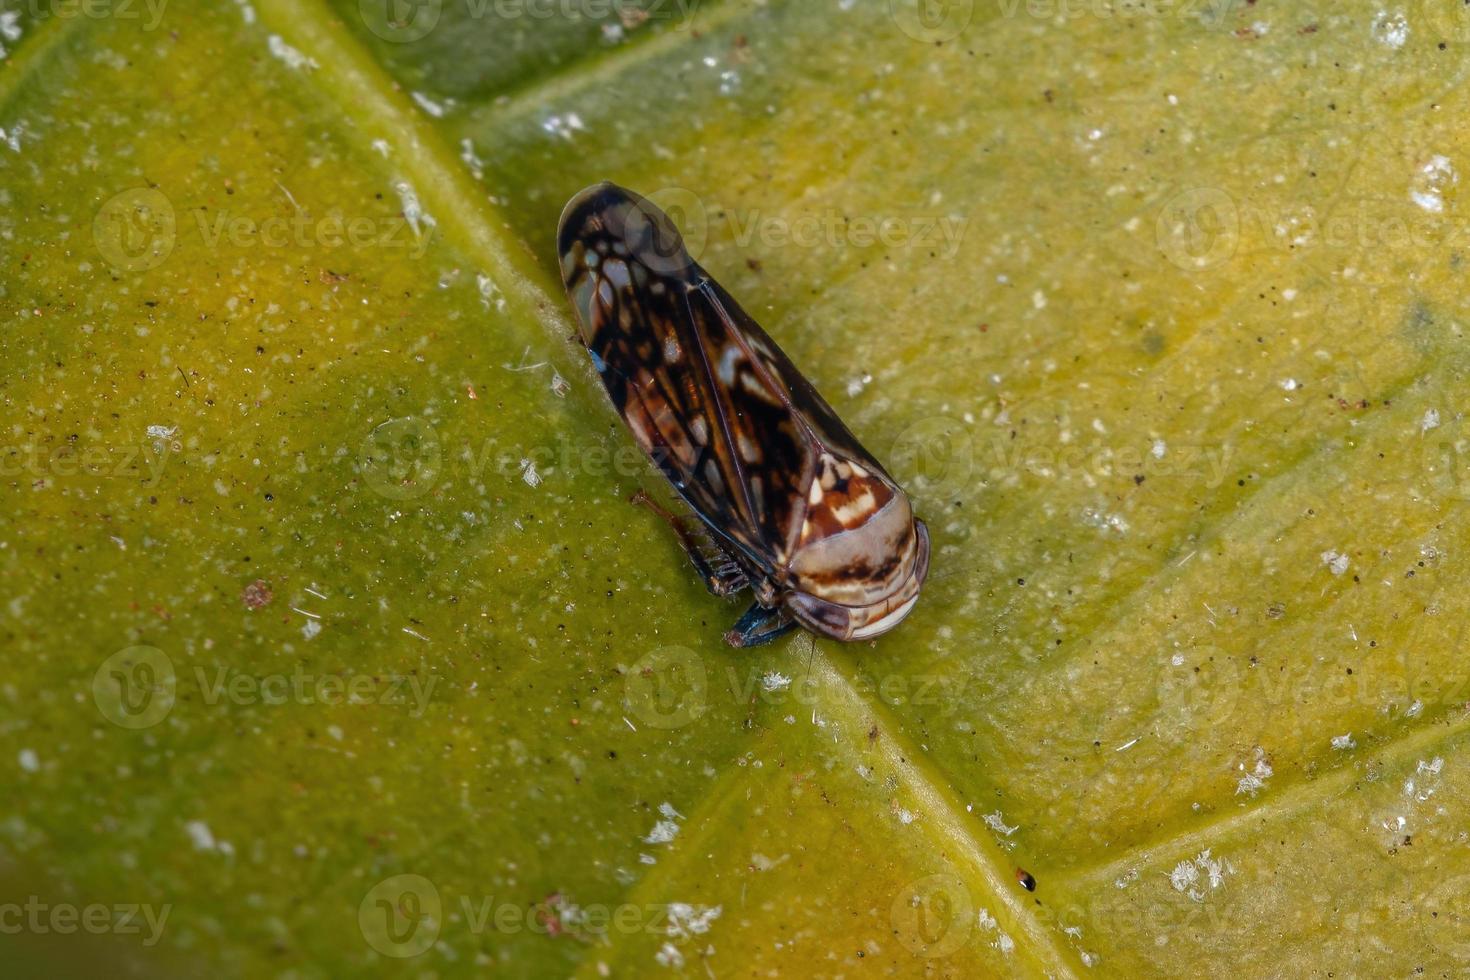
{"points": [[332, 645]]}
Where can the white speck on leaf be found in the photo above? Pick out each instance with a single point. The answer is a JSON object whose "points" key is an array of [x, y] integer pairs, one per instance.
{"points": [[12, 137], [564, 126], [413, 211], [471, 158], [1390, 30], [1431, 182], [293, 58], [1195, 878], [686, 921], [662, 833], [666, 829], [1183, 876], [1104, 521], [1336, 562], [1255, 778], [28, 760], [489, 291], [762, 863], [996, 822], [435, 109], [9, 27], [200, 834]]}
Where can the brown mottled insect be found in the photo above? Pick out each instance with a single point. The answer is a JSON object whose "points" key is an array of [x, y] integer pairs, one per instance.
{"points": [[793, 506]]}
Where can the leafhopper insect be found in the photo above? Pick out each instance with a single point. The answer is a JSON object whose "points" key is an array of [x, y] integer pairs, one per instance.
{"points": [[791, 505]]}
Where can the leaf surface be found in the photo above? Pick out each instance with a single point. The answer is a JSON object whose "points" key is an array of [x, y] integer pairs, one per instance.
{"points": [[328, 627]]}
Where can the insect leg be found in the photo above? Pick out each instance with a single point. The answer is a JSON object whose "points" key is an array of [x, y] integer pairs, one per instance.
{"points": [[760, 625], [722, 576]]}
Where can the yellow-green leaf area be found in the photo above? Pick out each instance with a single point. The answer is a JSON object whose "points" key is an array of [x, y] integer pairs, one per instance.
{"points": [[328, 626]]}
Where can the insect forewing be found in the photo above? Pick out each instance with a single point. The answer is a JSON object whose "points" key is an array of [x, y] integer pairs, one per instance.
{"points": [[708, 395]]}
